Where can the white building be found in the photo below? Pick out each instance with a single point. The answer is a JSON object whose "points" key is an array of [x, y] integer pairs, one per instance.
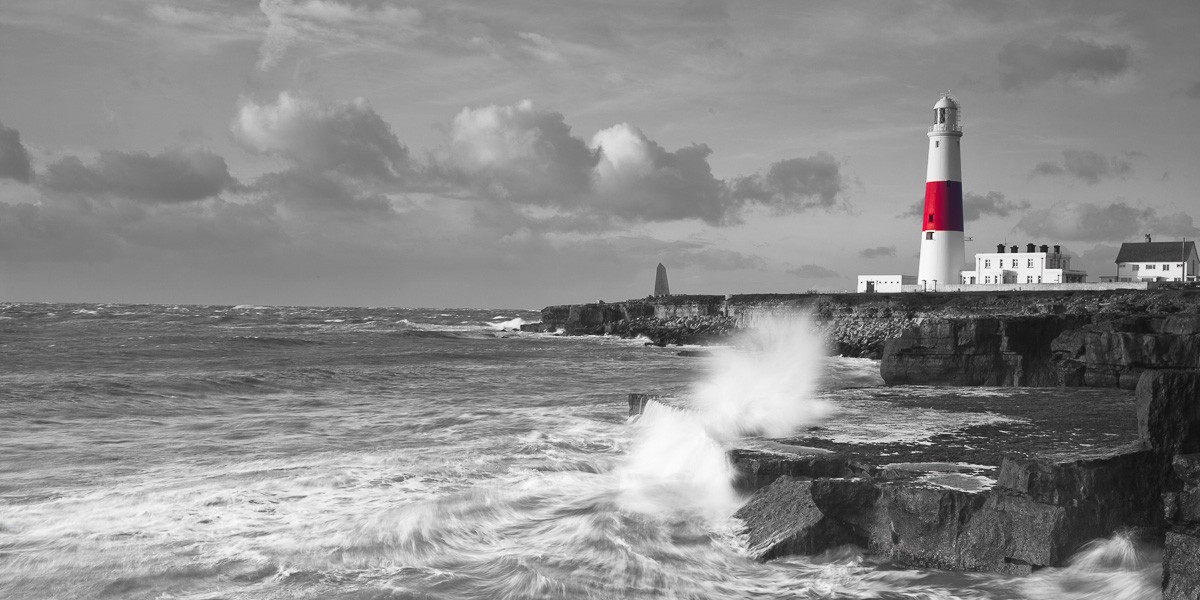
{"points": [[885, 284], [1034, 265], [1156, 261]]}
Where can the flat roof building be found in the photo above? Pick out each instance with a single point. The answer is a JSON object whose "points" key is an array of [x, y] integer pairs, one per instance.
{"points": [[1034, 265]]}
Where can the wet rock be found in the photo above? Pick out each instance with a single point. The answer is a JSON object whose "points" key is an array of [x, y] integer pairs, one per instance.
{"points": [[1181, 553], [1124, 486], [757, 469], [787, 517], [637, 402], [1040, 512], [1168, 411], [1181, 563], [1182, 506]]}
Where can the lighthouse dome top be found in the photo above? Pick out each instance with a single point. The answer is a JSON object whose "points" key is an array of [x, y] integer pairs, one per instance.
{"points": [[946, 102]]}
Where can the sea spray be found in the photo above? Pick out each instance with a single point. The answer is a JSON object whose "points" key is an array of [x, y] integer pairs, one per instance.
{"points": [[678, 460], [768, 388], [1115, 568]]}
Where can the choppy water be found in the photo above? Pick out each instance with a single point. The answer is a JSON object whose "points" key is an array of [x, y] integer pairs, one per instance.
{"points": [[258, 452]]}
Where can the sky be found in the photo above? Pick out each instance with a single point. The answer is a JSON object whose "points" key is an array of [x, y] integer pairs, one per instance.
{"points": [[523, 153]]}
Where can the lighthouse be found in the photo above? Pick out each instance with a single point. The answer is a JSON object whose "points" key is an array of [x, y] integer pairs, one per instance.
{"points": [[942, 253]]}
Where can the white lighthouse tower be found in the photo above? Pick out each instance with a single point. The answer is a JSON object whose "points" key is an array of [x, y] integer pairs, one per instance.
{"points": [[942, 253]]}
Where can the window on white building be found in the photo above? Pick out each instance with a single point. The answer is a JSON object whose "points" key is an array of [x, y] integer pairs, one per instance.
{"points": [[1030, 264], [1135, 267], [1029, 279], [1149, 266], [929, 235], [987, 264]]}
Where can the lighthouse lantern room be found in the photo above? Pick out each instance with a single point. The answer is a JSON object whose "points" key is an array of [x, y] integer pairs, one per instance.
{"points": [[942, 251]]}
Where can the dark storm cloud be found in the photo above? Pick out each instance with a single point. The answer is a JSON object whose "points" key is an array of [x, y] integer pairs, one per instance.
{"points": [[813, 271], [991, 203], [878, 252], [1085, 165], [75, 228], [1079, 221], [976, 206], [795, 185], [177, 175], [1024, 64], [14, 158], [350, 137]]}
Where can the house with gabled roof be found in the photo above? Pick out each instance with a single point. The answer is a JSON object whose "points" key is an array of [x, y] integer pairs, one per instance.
{"points": [[1156, 261]]}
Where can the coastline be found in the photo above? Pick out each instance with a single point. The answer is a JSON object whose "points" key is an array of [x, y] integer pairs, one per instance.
{"points": [[1044, 505]]}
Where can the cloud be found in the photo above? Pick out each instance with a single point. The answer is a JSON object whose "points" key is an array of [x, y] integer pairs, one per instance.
{"points": [[14, 158], [520, 154], [813, 271], [528, 156], [794, 185], [1086, 165], [338, 25], [349, 137], [638, 179], [1193, 91], [176, 175], [704, 10], [878, 252], [1067, 59], [322, 191], [991, 203], [75, 228], [1080, 221]]}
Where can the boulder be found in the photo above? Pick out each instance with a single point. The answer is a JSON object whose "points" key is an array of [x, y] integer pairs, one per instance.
{"points": [[786, 517], [1168, 411]]}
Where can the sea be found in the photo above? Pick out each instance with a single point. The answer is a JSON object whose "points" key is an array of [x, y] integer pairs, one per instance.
{"points": [[262, 452]]}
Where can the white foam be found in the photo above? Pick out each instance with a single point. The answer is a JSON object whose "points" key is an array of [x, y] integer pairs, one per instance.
{"points": [[509, 324], [678, 460]]}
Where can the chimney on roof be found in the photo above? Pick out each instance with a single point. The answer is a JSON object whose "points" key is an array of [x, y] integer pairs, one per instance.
{"points": [[1044, 248], [1000, 248], [1030, 248], [1057, 249], [1014, 248]]}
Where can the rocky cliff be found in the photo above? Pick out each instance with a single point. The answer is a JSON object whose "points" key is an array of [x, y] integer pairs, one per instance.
{"points": [[861, 325], [1047, 350]]}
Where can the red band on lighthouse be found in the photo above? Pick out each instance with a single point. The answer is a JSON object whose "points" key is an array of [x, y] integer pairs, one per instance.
{"points": [[943, 206]]}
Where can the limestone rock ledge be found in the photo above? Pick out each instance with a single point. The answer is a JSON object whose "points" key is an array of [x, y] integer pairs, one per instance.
{"points": [[1039, 512]]}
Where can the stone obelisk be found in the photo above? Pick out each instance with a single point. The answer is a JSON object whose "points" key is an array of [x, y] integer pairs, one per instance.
{"points": [[660, 282]]}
